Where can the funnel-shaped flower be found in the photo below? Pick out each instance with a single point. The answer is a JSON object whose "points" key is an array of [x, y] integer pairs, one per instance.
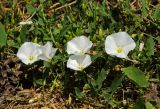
{"points": [[79, 45], [29, 52], [78, 62], [119, 44], [47, 51]]}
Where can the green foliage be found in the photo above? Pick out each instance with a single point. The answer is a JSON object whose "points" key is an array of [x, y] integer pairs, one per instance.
{"points": [[60, 21], [23, 34], [150, 46], [65, 29], [97, 84], [156, 14], [158, 71], [139, 104], [30, 9], [79, 94], [126, 6], [149, 105], [114, 86], [3, 36], [144, 8], [136, 75]]}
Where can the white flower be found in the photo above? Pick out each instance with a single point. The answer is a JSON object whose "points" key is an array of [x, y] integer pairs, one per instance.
{"points": [[119, 44], [29, 52], [47, 51], [79, 45], [78, 62]]}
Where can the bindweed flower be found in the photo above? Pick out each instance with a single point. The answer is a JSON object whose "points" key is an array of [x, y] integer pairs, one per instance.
{"points": [[47, 51], [29, 52], [119, 44], [78, 62], [79, 45]]}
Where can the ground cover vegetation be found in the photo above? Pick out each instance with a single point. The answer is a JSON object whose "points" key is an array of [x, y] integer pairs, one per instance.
{"points": [[58, 54]]}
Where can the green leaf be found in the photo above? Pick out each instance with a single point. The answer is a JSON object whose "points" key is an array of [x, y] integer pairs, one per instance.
{"points": [[150, 46], [65, 29], [126, 6], [97, 84], [139, 104], [58, 58], [158, 71], [23, 34], [114, 86], [30, 9], [116, 82], [42, 1], [156, 14], [46, 64], [12, 43], [101, 77], [103, 11], [149, 105], [136, 75], [3, 35], [79, 94], [62, 1], [39, 81], [40, 21], [144, 8]]}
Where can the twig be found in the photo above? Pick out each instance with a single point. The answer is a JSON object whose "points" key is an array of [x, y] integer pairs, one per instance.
{"points": [[9, 53], [66, 5], [54, 5], [134, 61], [154, 80], [94, 104]]}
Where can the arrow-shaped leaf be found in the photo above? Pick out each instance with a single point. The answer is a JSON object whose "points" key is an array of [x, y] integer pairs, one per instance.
{"points": [[136, 75]]}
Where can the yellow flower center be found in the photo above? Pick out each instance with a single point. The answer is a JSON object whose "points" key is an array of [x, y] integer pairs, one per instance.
{"points": [[82, 52], [119, 50], [81, 67], [30, 58]]}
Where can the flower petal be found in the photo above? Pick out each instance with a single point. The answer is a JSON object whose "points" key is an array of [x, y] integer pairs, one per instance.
{"points": [[78, 44], [48, 51], [129, 47], [78, 62], [87, 61], [110, 45], [72, 48], [72, 64], [120, 40], [23, 58], [29, 49], [121, 55]]}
